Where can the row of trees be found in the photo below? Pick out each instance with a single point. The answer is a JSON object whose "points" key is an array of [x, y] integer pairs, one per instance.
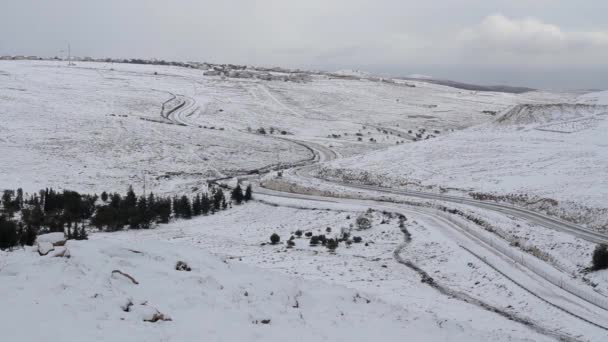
{"points": [[22, 218]]}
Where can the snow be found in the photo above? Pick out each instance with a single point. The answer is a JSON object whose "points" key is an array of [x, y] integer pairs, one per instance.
{"points": [[545, 151], [98, 126], [53, 238], [77, 299]]}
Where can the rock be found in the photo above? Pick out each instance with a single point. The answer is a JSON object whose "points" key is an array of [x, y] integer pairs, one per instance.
{"points": [[45, 248], [56, 239], [61, 252], [150, 314]]}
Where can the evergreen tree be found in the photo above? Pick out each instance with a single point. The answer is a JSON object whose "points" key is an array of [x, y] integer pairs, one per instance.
{"points": [[164, 210], [82, 235], [185, 207], [130, 200], [7, 202], [237, 194], [29, 236], [205, 204], [8, 233], [176, 207], [70, 235], [141, 218], [197, 206], [248, 193], [104, 196], [218, 199], [115, 200]]}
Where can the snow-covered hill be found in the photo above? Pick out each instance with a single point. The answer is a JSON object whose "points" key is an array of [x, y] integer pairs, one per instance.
{"points": [[555, 152]]}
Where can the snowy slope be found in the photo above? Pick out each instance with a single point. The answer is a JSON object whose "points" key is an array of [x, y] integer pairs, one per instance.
{"points": [[81, 299], [545, 151]]}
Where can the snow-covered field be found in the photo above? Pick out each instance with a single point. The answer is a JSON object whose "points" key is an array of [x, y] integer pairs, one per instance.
{"points": [[99, 126]]}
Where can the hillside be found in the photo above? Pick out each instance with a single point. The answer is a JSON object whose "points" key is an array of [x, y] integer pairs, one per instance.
{"points": [[553, 152]]}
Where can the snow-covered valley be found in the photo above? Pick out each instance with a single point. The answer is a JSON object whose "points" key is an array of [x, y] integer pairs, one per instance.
{"points": [[325, 153]]}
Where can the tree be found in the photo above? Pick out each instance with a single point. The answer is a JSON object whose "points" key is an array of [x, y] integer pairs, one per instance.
{"points": [[185, 207], [8, 233], [29, 236], [237, 194], [7, 202], [197, 208], [130, 200], [164, 210], [600, 257], [205, 204], [82, 235], [248, 193], [104, 196], [218, 199], [275, 238], [107, 217]]}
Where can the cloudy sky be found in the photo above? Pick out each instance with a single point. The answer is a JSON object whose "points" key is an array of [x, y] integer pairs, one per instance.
{"points": [[541, 43]]}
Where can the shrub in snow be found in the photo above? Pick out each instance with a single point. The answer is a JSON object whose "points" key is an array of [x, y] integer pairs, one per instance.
{"points": [[600, 257], [314, 240], [363, 222], [298, 233], [182, 266], [290, 244], [357, 239], [331, 244], [275, 238], [308, 234]]}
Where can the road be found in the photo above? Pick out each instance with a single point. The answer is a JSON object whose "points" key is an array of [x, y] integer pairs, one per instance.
{"points": [[534, 276]]}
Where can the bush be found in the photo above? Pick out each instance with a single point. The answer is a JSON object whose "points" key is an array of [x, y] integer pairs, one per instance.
{"points": [[308, 234], [331, 244], [290, 244], [275, 238], [182, 266], [357, 239], [363, 222], [314, 240], [298, 233], [600, 257]]}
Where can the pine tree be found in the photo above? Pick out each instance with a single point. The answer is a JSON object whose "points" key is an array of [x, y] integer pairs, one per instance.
{"points": [[104, 196], [205, 204], [176, 207], [131, 199], [237, 194], [164, 210], [197, 206], [83, 233], [248, 193], [218, 199], [140, 220], [185, 207]]}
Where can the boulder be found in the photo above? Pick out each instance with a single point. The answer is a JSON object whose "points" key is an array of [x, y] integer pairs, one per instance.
{"points": [[56, 239], [45, 248], [61, 252]]}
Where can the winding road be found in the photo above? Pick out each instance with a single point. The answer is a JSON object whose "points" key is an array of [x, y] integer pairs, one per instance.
{"points": [[533, 275]]}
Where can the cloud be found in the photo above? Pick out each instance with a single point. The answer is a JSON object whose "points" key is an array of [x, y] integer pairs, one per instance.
{"points": [[529, 36]]}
